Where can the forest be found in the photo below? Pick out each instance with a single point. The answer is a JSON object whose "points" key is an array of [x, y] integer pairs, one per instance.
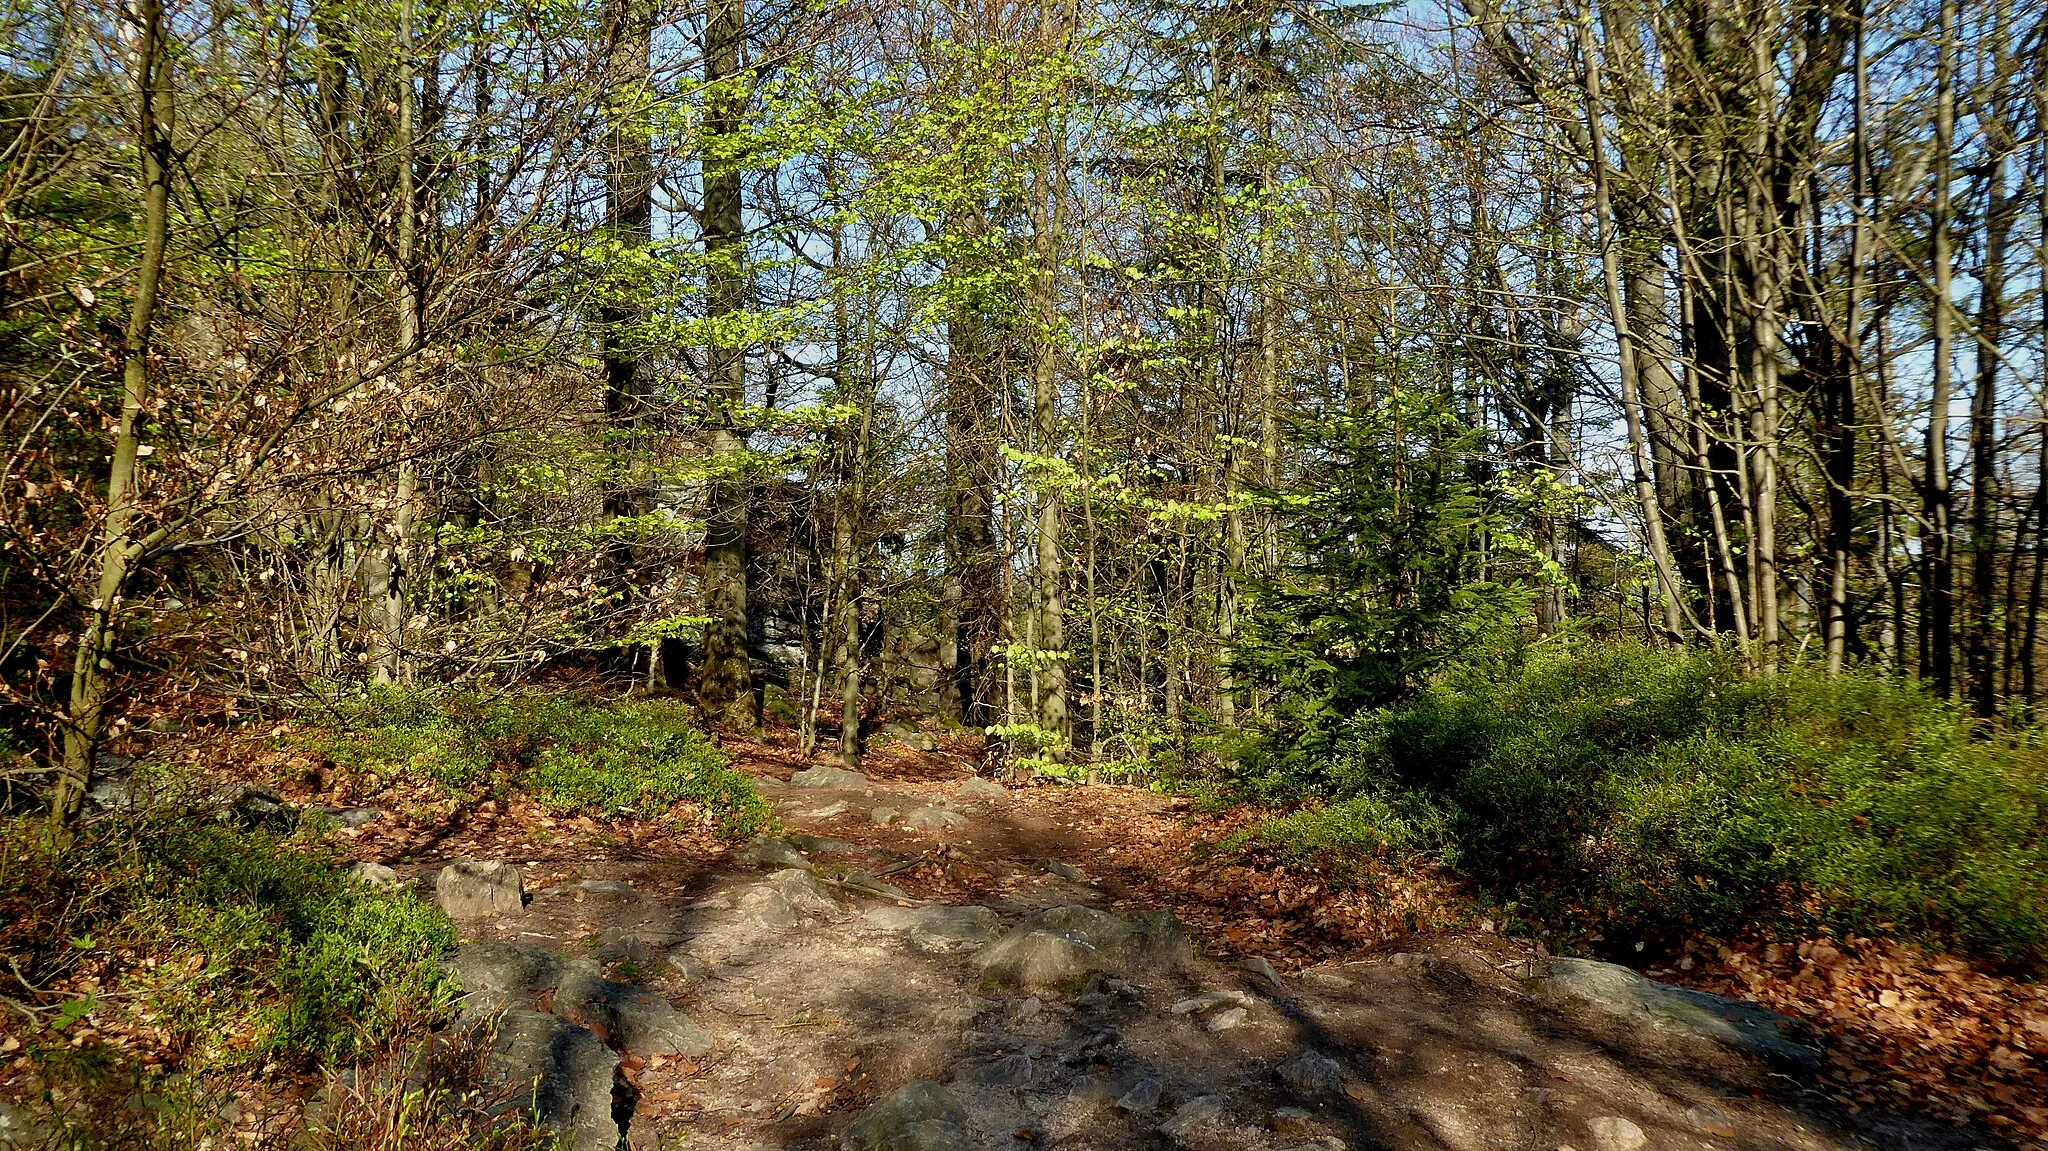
{"points": [[1368, 479]]}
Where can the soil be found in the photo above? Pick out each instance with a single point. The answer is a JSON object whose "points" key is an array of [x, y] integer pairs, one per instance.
{"points": [[1438, 1040]]}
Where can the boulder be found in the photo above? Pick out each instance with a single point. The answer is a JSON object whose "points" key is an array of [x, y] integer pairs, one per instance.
{"points": [[469, 888], [830, 777], [1063, 944], [257, 806], [786, 897], [823, 844], [921, 1116], [1742, 1026], [347, 817], [771, 853], [570, 1071], [375, 876]]}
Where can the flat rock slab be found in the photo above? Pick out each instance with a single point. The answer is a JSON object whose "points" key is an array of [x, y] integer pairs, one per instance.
{"points": [[935, 929], [1743, 1026], [511, 976], [920, 1116], [632, 1019], [837, 777], [571, 1073], [933, 818]]}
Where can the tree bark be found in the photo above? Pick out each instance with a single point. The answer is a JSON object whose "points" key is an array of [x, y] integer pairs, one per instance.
{"points": [[119, 549], [725, 689]]}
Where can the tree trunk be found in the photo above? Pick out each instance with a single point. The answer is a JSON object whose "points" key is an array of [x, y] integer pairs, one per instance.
{"points": [[725, 689], [1938, 544], [119, 548]]}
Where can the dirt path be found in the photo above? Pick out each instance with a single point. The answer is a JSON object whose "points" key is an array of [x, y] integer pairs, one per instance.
{"points": [[907, 985]]}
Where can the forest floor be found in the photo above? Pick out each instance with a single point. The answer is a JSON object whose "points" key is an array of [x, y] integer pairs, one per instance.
{"points": [[1430, 1029]]}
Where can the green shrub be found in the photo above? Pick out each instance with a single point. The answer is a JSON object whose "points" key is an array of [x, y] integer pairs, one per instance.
{"points": [[573, 753], [263, 951], [1640, 793], [1341, 835]]}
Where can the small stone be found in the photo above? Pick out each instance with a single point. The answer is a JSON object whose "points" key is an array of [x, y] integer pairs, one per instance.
{"points": [[1226, 1020], [19, 1129], [979, 788], [1263, 968], [933, 818], [1142, 1097], [375, 876], [861, 883], [1710, 1120], [1293, 1122], [1192, 1114], [1312, 1075], [1613, 1133], [469, 888], [687, 967], [1009, 1071], [1208, 999], [883, 816], [830, 810], [830, 777], [956, 1016]]}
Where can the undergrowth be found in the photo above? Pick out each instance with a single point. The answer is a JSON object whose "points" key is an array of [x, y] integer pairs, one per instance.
{"points": [[572, 753], [167, 949], [1622, 793]]}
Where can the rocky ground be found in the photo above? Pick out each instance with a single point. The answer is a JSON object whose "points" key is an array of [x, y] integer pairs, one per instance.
{"points": [[933, 962]]}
